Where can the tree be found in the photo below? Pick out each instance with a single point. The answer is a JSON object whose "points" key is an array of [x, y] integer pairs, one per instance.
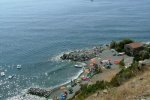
{"points": [[122, 64], [144, 54], [127, 41], [119, 46], [113, 44]]}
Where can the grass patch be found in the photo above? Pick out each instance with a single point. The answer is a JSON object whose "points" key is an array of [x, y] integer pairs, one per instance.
{"points": [[125, 74]]}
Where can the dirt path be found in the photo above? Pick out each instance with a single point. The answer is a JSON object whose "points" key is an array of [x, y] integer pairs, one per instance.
{"points": [[106, 75]]}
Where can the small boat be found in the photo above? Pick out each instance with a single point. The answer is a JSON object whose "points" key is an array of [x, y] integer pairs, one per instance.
{"points": [[2, 74], [46, 74], [78, 66], [10, 77], [18, 66]]}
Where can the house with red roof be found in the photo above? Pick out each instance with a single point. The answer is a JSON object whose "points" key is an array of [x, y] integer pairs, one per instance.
{"points": [[133, 48]]}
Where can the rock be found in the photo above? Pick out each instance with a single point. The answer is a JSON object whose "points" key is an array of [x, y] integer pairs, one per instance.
{"points": [[95, 95], [105, 91], [39, 92], [141, 78], [82, 55], [98, 93]]}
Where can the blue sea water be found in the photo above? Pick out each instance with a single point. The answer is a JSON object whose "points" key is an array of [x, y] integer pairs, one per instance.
{"points": [[33, 33]]}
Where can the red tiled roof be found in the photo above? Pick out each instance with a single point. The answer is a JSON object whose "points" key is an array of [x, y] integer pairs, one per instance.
{"points": [[135, 45]]}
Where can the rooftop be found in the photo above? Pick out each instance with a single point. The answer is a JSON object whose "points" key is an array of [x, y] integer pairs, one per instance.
{"points": [[135, 45]]}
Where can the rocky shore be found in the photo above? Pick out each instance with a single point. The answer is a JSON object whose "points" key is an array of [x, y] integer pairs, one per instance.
{"points": [[39, 92], [82, 55]]}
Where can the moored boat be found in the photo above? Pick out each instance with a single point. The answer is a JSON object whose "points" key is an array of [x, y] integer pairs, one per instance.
{"points": [[10, 77], [78, 66], [2, 74], [18, 66]]}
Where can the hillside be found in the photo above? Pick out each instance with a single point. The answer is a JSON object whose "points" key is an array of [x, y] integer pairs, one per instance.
{"points": [[137, 88]]}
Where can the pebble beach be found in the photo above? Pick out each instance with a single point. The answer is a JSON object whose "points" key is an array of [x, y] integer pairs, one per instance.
{"points": [[106, 74]]}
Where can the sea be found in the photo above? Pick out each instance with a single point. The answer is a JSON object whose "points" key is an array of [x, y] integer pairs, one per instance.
{"points": [[35, 33]]}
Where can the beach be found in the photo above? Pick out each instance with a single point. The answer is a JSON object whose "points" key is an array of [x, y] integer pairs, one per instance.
{"points": [[106, 74]]}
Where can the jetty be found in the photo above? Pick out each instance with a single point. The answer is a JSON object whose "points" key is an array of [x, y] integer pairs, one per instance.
{"points": [[82, 55], [39, 92]]}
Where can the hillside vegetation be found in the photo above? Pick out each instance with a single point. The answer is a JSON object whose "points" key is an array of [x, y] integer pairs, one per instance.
{"points": [[136, 88]]}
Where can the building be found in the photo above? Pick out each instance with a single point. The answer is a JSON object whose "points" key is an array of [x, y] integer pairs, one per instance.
{"points": [[133, 48]]}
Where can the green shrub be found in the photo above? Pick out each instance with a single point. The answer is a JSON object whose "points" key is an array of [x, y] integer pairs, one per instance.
{"points": [[144, 55], [113, 44], [125, 74], [121, 77], [119, 46], [122, 64], [89, 89]]}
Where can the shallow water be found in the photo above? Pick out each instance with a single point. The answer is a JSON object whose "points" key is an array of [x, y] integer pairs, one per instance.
{"points": [[34, 32]]}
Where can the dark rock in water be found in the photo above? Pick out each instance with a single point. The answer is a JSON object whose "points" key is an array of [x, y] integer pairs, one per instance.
{"points": [[39, 92], [82, 55]]}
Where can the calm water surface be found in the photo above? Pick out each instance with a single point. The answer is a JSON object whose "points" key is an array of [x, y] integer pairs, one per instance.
{"points": [[33, 33]]}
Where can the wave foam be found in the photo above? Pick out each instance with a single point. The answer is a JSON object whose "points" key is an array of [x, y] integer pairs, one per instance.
{"points": [[148, 42], [24, 96], [57, 57], [69, 79]]}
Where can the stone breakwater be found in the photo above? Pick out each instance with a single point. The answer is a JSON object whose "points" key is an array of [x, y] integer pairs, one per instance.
{"points": [[82, 55], [39, 92]]}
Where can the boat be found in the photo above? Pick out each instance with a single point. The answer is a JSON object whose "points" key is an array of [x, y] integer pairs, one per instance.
{"points": [[18, 66], [78, 66], [46, 74], [2, 74], [10, 77]]}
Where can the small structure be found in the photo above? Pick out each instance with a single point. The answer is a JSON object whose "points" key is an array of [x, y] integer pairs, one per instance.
{"points": [[133, 48], [121, 53], [117, 62]]}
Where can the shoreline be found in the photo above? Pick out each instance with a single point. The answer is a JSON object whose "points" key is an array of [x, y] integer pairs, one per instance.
{"points": [[105, 75], [56, 90], [101, 58], [67, 82]]}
